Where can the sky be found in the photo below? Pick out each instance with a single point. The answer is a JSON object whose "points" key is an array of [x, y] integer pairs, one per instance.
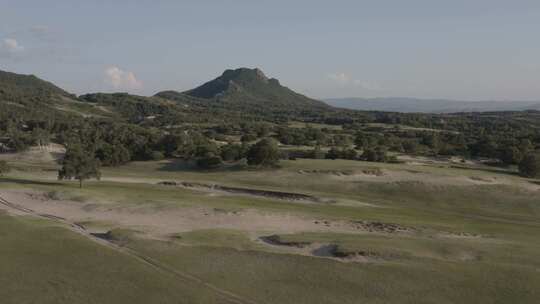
{"points": [[456, 49]]}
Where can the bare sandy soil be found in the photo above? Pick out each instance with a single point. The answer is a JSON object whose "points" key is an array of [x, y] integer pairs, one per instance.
{"points": [[155, 223], [49, 153], [394, 176], [160, 223]]}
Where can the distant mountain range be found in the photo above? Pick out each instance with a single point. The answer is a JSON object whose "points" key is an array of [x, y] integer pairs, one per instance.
{"points": [[410, 105], [241, 93]]}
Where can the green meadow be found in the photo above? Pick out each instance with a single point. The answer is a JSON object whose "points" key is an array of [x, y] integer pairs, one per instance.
{"points": [[470, 236]]}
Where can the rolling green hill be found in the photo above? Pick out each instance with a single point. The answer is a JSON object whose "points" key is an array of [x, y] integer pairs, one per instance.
{"points": [[16, 86], [30, 96]]}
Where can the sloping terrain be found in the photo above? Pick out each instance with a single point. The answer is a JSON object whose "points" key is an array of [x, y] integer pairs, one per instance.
{"points": [[30, 96], [389, 233], [16, 86], [247, 90]]}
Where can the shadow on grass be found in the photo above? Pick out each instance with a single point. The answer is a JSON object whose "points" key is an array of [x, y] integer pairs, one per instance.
{"points": [[28, 182], [498, 170], [177, 165]]}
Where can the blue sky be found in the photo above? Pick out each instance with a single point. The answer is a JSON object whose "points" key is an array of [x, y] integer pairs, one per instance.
{"points": [[474, 49]]}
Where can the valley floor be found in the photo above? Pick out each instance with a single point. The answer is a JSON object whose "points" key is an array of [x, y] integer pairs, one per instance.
{"points": [[313, 231]]}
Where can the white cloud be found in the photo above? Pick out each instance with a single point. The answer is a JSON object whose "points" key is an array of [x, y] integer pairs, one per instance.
{"points": [[120, 79], [10, 47], [340, 78], [344, 80]]}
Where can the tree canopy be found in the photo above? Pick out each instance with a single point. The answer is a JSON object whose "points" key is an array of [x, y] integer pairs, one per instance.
{"points": [[79, 164], [264, 153], [530, 165]]}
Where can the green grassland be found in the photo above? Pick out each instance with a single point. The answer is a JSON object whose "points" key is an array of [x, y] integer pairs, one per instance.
{"points": [[287, 278], [500, 264], [42, 262]]}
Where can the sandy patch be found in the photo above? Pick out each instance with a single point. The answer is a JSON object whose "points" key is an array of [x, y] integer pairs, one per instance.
{"points": [[320, 250], [49, 153], [150, 219], [427, 178]]}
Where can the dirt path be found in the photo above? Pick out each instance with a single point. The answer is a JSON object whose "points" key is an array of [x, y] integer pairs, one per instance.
{"points": [[229, 296]]}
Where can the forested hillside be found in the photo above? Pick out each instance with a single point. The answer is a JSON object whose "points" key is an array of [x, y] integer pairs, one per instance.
{"points": [[249, 91], [221, 119]]}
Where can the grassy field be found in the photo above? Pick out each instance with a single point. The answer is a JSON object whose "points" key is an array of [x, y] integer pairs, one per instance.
{"points": [[412, 278], [42, 262], [470, 235]]}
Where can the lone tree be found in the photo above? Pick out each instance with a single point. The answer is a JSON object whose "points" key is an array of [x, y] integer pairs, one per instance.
{"points": [[79, 164], [264, 153], [530, 165], [4, 168]]}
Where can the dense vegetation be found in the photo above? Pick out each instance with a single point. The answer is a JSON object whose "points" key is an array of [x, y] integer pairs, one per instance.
{"points": [[219, 121], [27, 89], [530, 165], [248, 91]]}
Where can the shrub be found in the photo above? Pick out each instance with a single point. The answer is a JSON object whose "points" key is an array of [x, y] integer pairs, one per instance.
{"points": [[264, 153], [375, 155], [248, 138], [157, 155], [209, 162], [333, 153], [511, 155], [4, 167], [530, 165], [231, 152], [318, 153]]}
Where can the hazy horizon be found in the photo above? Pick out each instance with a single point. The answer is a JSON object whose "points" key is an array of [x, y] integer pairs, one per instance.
{"points": [[459, 50]]}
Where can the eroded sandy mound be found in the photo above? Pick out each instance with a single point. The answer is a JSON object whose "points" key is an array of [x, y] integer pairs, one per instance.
{"points": [[50, 153]]}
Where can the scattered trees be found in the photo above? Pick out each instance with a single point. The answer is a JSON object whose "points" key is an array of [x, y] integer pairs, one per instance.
{"points": [[344, 153], [375, 155], [144, 128]]}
